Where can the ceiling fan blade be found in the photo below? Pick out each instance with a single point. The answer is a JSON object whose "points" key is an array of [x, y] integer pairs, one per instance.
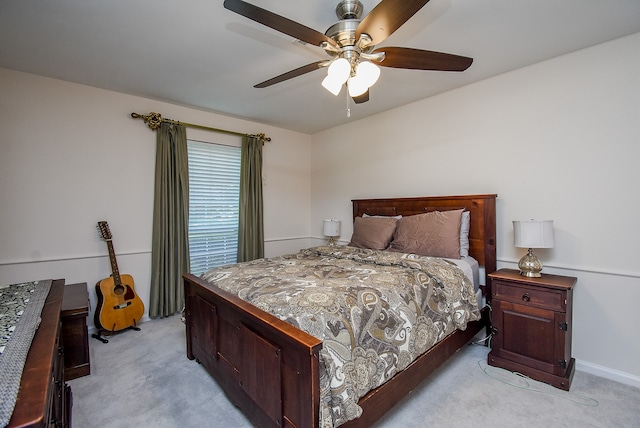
{"points": [[291, 74], [418, 59], [277, 22], [387, 17], [361, 98]]}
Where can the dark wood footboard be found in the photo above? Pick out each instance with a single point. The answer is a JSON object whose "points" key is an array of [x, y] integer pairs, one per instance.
{"points": [[268, 368]]}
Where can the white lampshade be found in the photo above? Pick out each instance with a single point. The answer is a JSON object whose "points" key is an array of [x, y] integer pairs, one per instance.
{"points": [[533, 234], [331, 227]]}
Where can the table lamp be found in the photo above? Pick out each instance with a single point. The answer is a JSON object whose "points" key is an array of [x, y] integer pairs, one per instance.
{"points": [[331, 228], [532, 234]]}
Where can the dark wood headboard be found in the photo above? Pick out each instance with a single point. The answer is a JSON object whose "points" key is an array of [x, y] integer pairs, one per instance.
{"points": [[482, 233]]}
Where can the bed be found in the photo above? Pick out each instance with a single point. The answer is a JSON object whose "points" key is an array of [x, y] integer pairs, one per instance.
{"points": [[271, 369]]}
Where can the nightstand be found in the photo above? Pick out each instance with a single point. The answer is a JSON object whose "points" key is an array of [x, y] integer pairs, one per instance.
{"points": [[75, 338], [531, 325]]}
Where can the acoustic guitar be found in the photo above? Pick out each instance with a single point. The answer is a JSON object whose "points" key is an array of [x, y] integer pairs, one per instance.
{"points": [[119, 306]]}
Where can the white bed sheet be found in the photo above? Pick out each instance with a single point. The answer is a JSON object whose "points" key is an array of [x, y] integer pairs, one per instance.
{"points": [[470, 267]]}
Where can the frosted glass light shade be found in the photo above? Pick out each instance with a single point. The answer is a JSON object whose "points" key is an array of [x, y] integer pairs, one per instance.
{"points": [[339, 70], [369, 72], [337, 75], [332, 85], [357, 86]]}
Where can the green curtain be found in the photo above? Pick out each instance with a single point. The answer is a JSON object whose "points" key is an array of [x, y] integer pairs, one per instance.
{"points": [[170, 243], [250, 223]]}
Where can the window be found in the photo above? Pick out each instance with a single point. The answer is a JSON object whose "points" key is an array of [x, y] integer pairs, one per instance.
{"points": [[214, 193]]}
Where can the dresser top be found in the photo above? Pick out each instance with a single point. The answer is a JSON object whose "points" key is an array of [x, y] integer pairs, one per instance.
{"points": [[76, 299]]}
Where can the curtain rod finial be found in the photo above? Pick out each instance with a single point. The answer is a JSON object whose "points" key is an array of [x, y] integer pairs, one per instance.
{"points": [[263, 137], [153, 119]]}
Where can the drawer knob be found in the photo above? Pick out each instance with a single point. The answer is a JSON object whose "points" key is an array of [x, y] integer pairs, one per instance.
{"points": [[526, 297]]}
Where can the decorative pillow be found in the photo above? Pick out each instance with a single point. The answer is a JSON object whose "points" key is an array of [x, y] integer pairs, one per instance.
{"points": [[435, 234], [373, 232], [465, 225]]}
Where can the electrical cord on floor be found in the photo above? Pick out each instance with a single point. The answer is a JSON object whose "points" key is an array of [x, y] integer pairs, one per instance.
{"points": [[520, 381], [485, 341]]}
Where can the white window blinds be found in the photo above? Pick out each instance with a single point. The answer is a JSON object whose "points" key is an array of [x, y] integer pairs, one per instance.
{"points": [[214, 189]]}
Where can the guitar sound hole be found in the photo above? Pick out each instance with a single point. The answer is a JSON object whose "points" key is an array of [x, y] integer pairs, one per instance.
{"points": [[118, 289]]}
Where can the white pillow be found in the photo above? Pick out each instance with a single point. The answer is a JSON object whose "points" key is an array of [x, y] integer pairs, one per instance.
{"points": [[465, 224]]}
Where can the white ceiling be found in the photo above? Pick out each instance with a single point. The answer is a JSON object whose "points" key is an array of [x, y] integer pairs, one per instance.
{"points": [[196, 53]]}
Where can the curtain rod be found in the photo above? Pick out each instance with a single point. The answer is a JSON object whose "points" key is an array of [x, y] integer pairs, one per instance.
{"points": [[154, 120]]}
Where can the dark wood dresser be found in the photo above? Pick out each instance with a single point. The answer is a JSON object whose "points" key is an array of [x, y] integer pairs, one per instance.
{"points": [[531, 325], [44, 399], [75, 337]]}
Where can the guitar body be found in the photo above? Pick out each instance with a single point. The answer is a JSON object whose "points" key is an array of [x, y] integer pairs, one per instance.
{"points": [[119, 306]]}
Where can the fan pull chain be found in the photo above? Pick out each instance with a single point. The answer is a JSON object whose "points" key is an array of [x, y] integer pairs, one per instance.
{"points": [[348, 104]]}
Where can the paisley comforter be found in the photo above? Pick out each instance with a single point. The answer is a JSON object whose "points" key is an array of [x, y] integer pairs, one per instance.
{"points": [[375, 311]]}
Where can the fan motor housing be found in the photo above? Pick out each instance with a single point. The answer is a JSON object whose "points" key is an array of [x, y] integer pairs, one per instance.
{"points": [[344, 32]]}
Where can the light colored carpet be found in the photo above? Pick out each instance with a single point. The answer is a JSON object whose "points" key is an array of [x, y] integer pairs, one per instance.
{"points": [[144, 379]]}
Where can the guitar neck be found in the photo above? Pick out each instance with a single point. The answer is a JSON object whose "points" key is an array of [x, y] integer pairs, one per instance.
{"points": [[114, 263]]}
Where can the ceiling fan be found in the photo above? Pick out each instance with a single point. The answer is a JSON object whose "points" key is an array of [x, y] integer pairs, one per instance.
{"points": [[351, 42]]}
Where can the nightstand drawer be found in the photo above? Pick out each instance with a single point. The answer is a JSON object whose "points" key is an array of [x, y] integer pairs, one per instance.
{"points": [[530, 296]]}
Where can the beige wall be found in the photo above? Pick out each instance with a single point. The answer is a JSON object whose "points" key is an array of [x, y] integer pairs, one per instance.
{"points": [[557, 140], [71, 155]]}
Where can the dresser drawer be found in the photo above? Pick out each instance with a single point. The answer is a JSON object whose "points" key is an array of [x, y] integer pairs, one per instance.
{"points": [[530, 296]]}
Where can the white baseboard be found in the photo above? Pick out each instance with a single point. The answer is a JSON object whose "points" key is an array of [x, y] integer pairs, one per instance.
{"points": [[607, 373]]}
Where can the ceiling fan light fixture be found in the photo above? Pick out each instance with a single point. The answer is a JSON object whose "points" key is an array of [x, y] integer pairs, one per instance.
{"points": [[369, 72], [350, 44]]}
